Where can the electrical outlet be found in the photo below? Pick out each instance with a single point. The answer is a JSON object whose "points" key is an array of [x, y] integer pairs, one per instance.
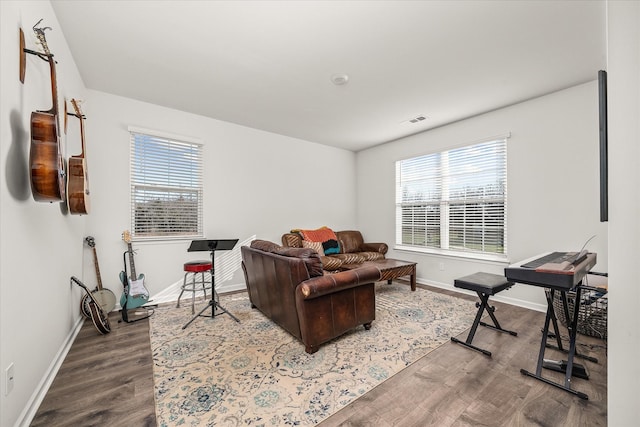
{"points": [[8, 379], [441, 266]]}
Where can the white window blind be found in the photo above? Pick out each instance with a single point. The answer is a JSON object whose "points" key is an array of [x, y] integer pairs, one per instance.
{"points": [[455, 200], [166, 187]]}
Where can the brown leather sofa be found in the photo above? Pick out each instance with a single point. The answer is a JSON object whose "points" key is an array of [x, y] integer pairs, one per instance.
{"points": [[289, 287], [353, 249]]}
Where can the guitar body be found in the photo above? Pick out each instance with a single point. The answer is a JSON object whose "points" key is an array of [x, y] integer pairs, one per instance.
{"points": [[105, 299], [98, 317], [135, 294], [132, 296], [48, 175], [77, 187], [45, 159]]}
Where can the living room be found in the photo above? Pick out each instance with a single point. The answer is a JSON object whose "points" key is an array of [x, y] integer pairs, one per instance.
{"points": [[258, 185]]}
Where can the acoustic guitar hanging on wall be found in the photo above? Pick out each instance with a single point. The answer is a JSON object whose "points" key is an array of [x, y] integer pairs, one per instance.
{"points": [[48, 177], [78, 179]]}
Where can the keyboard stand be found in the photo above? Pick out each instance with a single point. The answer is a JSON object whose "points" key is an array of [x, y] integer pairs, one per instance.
{"points": [[568, 366], [576, 367]]}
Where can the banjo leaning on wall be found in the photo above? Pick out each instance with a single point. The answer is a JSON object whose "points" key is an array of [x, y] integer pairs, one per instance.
{"points": [[104, 297]]}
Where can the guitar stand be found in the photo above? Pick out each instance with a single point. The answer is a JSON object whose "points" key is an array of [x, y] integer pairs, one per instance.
{"points": [[212, 246], [125, 311]]}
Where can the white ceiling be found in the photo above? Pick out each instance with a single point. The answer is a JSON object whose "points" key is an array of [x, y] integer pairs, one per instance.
{"points": [[268, 64]]}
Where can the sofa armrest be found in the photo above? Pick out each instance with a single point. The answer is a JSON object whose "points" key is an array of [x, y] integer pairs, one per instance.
{"points": [[330, 283], [375, 247]]}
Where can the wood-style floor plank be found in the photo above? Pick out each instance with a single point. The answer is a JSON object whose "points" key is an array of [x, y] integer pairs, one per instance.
{"points": [[108, 381], [456, 386], [105, 380]]}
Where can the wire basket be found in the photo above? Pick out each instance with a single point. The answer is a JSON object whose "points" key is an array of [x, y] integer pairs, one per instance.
{"points": [[592, 313]]}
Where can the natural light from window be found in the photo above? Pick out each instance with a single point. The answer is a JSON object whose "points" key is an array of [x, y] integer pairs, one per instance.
{"points": [[454, 202], [166, 187]]}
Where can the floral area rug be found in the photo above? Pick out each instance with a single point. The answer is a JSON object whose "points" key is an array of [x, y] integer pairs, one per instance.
{"points": [[219, 372]]}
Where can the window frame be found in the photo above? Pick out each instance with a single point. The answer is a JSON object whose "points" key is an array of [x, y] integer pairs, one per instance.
{"points": [[441, 204], [194, 182]]}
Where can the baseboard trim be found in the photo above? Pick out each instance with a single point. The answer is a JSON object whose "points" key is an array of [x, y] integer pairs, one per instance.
{"points": [[170, 295], [507, 300], [30, 410]]}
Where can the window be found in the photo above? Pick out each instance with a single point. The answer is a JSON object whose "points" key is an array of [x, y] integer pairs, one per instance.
{"points": [[166, 186], [455, 201]]}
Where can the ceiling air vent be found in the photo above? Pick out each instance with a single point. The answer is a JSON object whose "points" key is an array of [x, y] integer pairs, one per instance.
{"points": [[416, 119]]}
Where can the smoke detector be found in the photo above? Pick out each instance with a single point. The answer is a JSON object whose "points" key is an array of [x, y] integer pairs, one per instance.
{"points": [[339, 79]]}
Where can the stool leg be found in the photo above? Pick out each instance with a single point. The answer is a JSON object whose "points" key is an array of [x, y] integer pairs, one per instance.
{"points": [[193, 293], [490, 310], [184, 284], [484, 304], [204, 285], [472, 332]]}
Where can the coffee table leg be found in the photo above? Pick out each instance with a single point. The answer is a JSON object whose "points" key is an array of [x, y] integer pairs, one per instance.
{"points": [[413, 278]]}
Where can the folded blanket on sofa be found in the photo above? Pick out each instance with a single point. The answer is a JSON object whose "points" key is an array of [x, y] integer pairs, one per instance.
{"points": [[324, 235]]}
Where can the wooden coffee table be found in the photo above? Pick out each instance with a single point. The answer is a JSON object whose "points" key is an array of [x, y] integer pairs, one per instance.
{"points": [[390, 269]]}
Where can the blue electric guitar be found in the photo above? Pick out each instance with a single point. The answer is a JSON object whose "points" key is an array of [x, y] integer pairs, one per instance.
{"points": [[135, 294]]}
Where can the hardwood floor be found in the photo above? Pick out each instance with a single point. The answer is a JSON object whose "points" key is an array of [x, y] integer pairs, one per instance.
{"points": [[108, 381], [456, 386], [105, 380]]}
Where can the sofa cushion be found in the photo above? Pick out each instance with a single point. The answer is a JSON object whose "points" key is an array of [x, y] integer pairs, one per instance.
{"points": [[292, 240], [352, 258], [330, 263], [316, 246], [371, 256], [265, 245], [309, 256], [351, 241], [326, 236]]}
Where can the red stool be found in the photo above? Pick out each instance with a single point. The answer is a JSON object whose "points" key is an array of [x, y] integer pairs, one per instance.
{"points": [[194, 268]]}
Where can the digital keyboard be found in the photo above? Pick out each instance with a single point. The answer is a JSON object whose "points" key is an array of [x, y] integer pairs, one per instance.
{"points": [[532, 271], [554, 258]]}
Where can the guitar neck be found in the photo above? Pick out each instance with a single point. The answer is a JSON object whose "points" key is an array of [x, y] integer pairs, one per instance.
{"points": [[54, 87], [132, 265], [80, 116], [52, 66], [82, 134], [95, 262]]}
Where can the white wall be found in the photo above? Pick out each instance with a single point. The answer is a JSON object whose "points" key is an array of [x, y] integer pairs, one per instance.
{"points": [[256, 184], [623, 71], [553, 199], [41, 245], [271, 183]]}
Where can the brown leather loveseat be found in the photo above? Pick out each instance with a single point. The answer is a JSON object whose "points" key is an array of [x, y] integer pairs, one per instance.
{"points": [[288, 286], [352, 249]]}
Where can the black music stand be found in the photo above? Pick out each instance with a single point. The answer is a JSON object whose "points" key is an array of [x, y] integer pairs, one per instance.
{"points": [[212, 246]]}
